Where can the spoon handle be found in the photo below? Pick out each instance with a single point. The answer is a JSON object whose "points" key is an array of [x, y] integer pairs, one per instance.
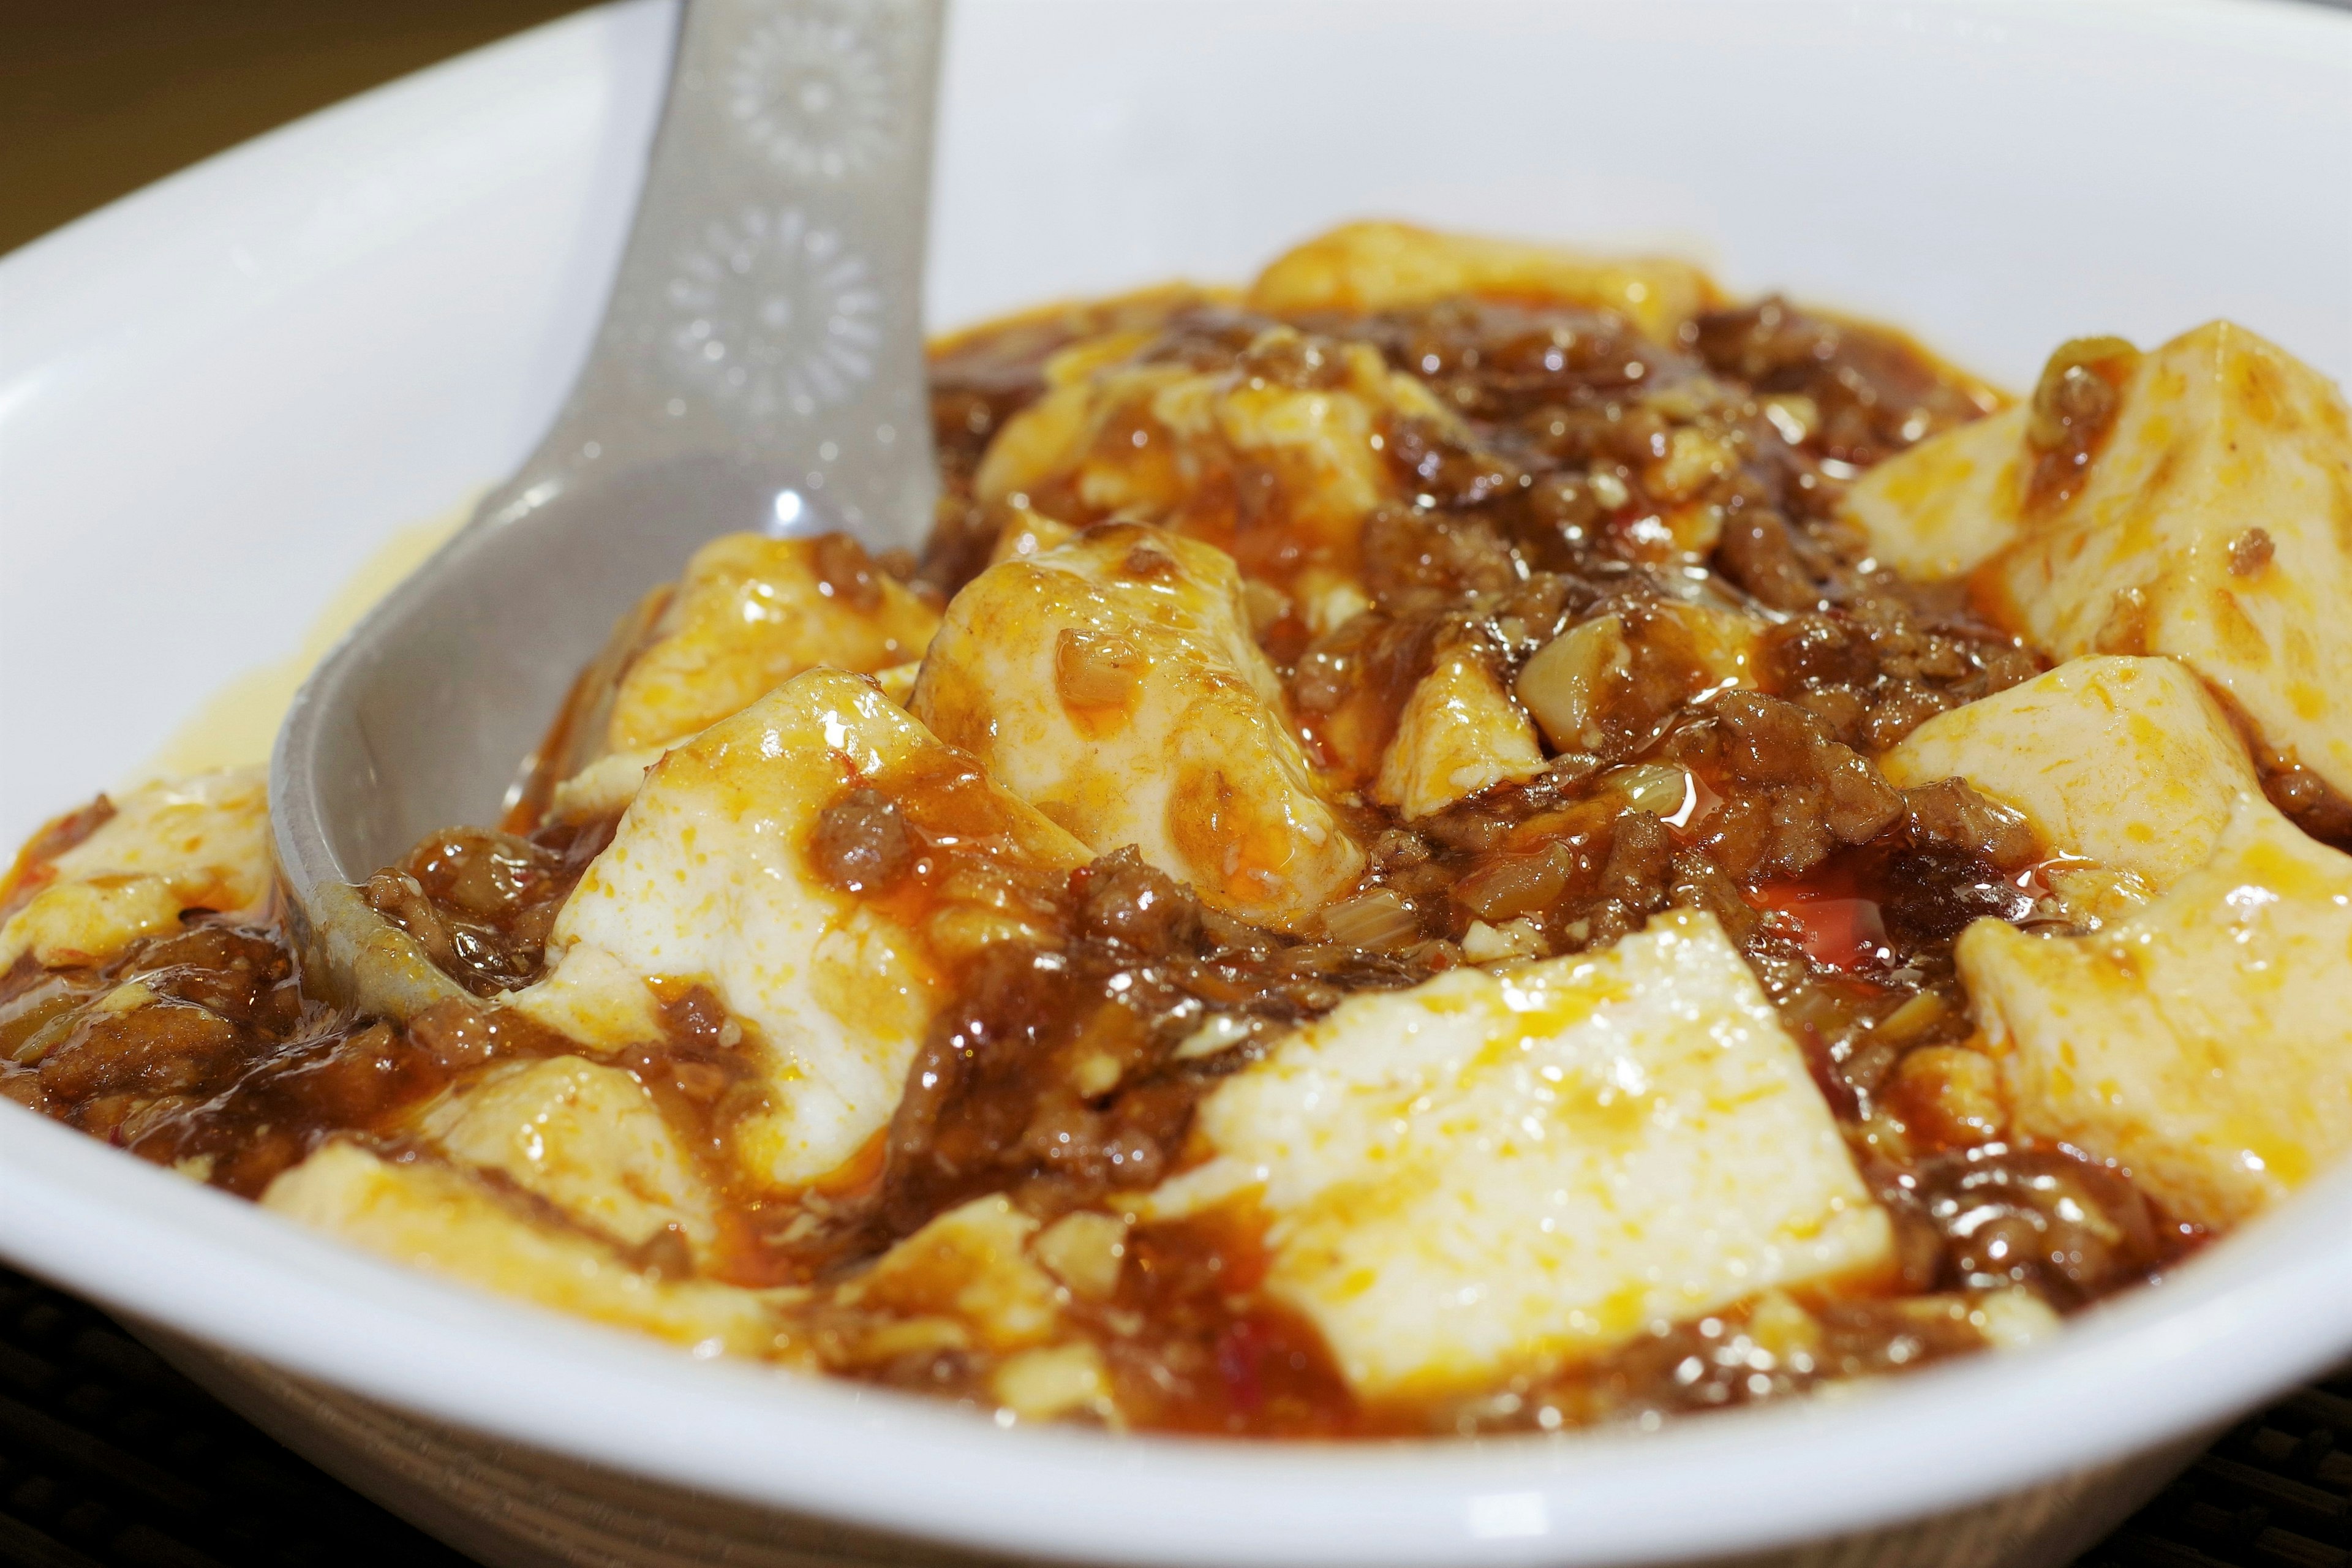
{"points": [[768, 312]]}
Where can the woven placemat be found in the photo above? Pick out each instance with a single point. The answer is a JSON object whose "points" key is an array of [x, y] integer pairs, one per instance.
{"points": [[109, 1459]]}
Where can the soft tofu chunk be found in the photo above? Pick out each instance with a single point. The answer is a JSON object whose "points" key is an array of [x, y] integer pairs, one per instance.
{"points": [[1949, 503], [2213, 524], [2202, 1042], [970, 1265], [1281, 469], [1054, 1381], [449, 1223], [1460, 733], [1113, 683], [603, 787], [1364, 267], [198, 843], [2124, 761], [752, 613], [711, 878], [1492, 1174], [1026, 533], [585, 1137]]}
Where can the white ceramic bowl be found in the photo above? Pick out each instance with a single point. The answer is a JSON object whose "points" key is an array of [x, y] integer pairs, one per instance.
{"points": [[216, 396]]}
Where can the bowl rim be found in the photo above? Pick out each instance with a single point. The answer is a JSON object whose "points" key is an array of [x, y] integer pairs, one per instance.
{"points": [[2187, 1353], [2250, 1316]]}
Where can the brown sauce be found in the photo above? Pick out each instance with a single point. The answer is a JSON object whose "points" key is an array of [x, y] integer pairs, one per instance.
{"points": [[1600, 474]]}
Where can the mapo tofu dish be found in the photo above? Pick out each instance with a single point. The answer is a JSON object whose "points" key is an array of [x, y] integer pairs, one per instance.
{"points": [[1467, 839]]}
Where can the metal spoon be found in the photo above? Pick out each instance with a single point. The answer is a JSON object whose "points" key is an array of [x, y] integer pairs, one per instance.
{"points": [[760, 367]]}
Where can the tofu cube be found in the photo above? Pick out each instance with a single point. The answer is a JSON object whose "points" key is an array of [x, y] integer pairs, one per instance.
{"points": [[1170, 444], [1362, 266], [970, 1265], [2214, 524], [1460, 733], [1495, 1173], [1948, 504], [586, 1138], [1112, 682], [2202, 1042], [196, 842], [750, 614], [2126, 761], [449, 1223], [710, 878]]}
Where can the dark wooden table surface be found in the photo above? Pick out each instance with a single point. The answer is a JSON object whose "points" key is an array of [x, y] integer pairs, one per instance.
{"points": [[109, 1459]]}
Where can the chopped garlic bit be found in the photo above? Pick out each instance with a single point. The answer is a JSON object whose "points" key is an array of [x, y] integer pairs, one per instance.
{"points": [[1483, 943], [2015, 1319], [1059, 1380], [126, 997], [1219, 1032], [1085, 1251]]}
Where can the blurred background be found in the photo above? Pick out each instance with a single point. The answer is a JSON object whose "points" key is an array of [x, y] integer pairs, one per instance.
{"points": [[101, 97]]}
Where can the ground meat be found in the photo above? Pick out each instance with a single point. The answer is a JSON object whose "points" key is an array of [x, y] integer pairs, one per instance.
{"points": [[1057, 1073], [1759, 553], [1933, 894], [2048, 1219], [2251, 551], [1870, 393], [481, 902], [159, 1050], [1950, 813], [2073, 407], [861, 843], [1582, 471], [2308, 799], [1766, 1350], [1881, 662]]}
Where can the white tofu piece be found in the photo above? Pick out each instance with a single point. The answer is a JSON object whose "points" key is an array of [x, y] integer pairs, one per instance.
{"points": [[1086, 1251], [971, 1264], [1054, 1381], [1175, 445], [585, 1137], [708, 878], [173, 846], [2203, 1042], [750, 614], [1458, 733], [1949, 503], [2214, 525], [1493, 1174], [605, 786], [1112, 682], [1362, 266], [897, 682], [442, 1220], [2124, 761]]}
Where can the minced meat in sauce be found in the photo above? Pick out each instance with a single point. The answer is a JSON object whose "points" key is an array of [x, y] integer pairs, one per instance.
{"points": [[1591, 473]]}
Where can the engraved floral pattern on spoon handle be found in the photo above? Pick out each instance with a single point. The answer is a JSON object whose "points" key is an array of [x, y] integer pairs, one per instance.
{"points": [[767, 313]]}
